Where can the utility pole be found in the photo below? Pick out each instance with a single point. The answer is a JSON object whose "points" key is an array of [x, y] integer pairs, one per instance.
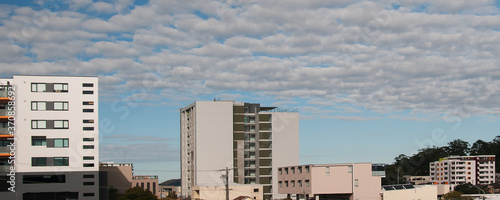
{"points": [[227, 183]]}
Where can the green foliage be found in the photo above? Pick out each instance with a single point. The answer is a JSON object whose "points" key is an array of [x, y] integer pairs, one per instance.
{"points": [[418, 164], [113, 193], [172, 195], [469, 189], [455, 195], [137, 193]]}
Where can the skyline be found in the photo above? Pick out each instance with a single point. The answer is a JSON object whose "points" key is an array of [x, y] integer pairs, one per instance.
{"points": [[389, 77]]}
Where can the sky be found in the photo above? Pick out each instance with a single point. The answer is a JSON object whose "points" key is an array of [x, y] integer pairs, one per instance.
{"points": [[370, 79]]}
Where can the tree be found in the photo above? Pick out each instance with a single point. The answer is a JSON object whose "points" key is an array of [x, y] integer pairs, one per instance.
{"points": [[469, 189], [113, 193], [458, 147], [137, 193], [480, 148], [455, 195]]}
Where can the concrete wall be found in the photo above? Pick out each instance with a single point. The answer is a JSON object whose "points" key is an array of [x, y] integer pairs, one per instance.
{"points": [[219, 192], [424, 192], [285, 141], [119, 177]]}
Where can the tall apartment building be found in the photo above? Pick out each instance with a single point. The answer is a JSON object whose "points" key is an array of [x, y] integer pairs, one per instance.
{"points": [[463, 169], [56, 148], [251, 140]]}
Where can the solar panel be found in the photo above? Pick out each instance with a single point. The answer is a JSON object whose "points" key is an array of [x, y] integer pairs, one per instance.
{"points": [[399, 187], [409, 186], [388, 188]]}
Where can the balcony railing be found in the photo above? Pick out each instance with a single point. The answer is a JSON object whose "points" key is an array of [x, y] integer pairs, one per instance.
{"points": [[4, 169], [4, 131], [4, 150], [145, 177], [3, 92]]}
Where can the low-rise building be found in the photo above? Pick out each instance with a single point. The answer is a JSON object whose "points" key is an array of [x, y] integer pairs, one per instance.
{"points": [[121, 176], [342, 181], [463, 169], [410, 192], [417, 180], [240, 191]]}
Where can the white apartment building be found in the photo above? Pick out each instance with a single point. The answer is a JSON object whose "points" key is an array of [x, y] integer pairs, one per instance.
{"points": [[252, 141], [56, 137], [463, 169]]}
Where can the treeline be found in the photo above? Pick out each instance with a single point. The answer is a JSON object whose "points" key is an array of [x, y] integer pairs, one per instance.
{"points": [[418, 164]]}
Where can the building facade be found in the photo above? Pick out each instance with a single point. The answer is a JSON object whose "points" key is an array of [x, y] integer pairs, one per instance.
{"points": [[52, 129], [330, 181], [121, 176], [253, 191], [458, 170], [252, 141]]}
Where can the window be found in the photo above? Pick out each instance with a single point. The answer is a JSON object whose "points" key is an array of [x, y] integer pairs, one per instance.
{"points": [[88, 157], [256, 190], [307, 183], [49, 105], [307, 169], [88, 139], [61, 161], [38, 105], [88, 176], [327, 170], [38, 87], [88, 92], [38, 124], [88, 183], [38, 141], [88, 194], [86, 103], [88, 128], [292, 183], [61, 124], [286, 183], [280, 171], [37, 179], [88, 146], [59, 105], [292, 170], [88, 121], [60, 87], [88, 110], [286, 170], [299, 169], [39, 161], [61, 143], [280, 183], [299, 182], [87, 85], [88, 164]]}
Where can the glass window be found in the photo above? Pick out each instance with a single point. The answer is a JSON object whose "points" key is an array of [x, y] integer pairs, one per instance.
{"points": [[60, 87], [87, 85], [61, 124], [38, 87], [38, 105], [88, 92], [61, 143], [61, 161], [88, 121], [39, 161], [38, 142], [88, 139], [61, 106], [38, 124], [88, 164], [85, 103], [88, 157], [88, 110], [88, 146]]}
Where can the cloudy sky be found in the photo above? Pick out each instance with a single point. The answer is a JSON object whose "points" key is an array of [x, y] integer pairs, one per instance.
{"points": [[371, 79]]}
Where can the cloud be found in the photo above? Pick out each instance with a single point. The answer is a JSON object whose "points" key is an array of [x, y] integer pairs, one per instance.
{"points": [[350, 57]]}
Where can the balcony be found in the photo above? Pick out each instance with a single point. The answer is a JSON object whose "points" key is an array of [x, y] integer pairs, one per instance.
{"points": [[4, 150], [4, 131]]}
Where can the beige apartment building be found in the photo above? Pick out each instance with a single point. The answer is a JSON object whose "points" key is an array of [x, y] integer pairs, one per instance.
{"points": [[249, 139], [330, 181], [457, 170]]}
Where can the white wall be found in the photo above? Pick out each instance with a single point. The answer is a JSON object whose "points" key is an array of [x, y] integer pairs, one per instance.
{"points": [[285, 142], [75, 115], [213, 141]]}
